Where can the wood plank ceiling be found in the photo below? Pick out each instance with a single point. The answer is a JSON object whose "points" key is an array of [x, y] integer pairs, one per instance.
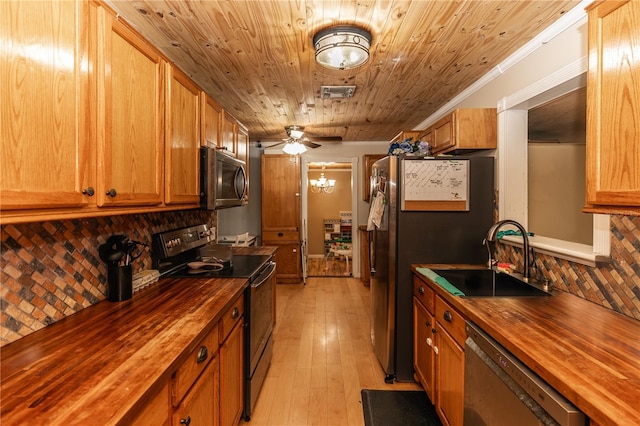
{"points": [[256, 58]]}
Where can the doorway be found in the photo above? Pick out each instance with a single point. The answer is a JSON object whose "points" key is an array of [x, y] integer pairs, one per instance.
{"points": [[328, 219]]}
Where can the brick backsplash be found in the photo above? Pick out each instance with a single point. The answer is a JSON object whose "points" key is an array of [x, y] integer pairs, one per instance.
{"points": [[614, 285], [49, 270]]}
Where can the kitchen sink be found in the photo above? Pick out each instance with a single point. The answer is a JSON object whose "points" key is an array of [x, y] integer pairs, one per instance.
{"points": [[489, 283]]}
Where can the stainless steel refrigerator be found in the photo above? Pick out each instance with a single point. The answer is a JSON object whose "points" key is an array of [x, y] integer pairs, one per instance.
{"points": [[401, 236]]}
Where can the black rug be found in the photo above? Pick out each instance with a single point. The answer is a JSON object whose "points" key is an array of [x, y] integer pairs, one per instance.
{"points": [[398, 408]]}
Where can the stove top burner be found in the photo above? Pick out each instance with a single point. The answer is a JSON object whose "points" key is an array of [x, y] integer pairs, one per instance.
{"points": [[242, 266]]}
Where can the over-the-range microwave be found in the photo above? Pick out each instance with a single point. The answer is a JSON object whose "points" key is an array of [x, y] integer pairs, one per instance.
{"points": [[223, 180]]}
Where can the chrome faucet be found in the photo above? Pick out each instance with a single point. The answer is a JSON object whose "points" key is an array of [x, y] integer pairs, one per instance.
{"points": [[493, 232]]}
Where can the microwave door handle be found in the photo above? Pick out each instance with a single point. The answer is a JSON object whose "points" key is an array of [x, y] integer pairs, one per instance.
{"points": [[241, 189]]}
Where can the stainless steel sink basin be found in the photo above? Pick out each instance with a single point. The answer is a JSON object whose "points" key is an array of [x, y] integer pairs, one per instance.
{"points": [[490, 283]]}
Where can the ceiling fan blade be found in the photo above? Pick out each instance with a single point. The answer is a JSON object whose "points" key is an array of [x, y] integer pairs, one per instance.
{"points": [[310, 144], [325, 138]]}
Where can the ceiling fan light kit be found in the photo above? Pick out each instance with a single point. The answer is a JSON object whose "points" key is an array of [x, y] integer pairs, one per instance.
{"points": [[342, 47], [294, 148]]}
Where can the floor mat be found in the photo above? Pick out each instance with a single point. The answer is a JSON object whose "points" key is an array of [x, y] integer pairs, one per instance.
{"points": [[398, 408]]}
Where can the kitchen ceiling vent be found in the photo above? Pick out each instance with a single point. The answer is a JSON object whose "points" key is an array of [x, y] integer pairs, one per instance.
{"points": [[336, 92]]}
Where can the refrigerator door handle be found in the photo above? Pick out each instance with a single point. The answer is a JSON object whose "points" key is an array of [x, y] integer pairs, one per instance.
{"points": [[372, 253]]}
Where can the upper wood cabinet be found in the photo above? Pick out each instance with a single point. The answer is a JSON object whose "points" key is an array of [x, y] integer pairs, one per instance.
{"points": [[463, 130], [130, 96], [211, 115], [45, 159], [613, 108], [182, 145], [405, 134], [228, 132]]}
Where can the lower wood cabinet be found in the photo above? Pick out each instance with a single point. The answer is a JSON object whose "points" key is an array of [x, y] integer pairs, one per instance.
{"points": [[438, 354], [200, 405], [231, 364], [154, 412]]}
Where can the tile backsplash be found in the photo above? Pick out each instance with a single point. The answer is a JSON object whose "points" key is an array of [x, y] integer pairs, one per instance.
{"points": [[614, 285], [49, 270]]}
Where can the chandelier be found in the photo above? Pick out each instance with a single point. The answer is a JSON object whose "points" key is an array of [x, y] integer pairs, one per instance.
{"points": [[322, 184], [342, 47]]}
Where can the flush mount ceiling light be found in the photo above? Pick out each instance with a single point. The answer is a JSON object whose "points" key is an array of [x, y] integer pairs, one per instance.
{"points": [[343, 47]]}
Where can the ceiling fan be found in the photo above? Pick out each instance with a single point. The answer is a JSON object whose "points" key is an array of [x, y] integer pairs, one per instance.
{"points": [[295, 135]]}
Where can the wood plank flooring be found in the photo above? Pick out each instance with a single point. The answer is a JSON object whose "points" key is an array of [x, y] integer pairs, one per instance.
{"points": [[328, 267], [323, 356]]}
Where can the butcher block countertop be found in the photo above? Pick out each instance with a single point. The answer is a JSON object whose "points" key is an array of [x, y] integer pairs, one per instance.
{"points": [[588, 353], [98, 365]]}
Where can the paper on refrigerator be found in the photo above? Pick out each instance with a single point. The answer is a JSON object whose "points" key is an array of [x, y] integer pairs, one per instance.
{"points": [[376, 211]]}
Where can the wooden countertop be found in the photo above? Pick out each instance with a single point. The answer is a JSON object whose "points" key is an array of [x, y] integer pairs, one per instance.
{"points": [[96, 365], [588, 353]]}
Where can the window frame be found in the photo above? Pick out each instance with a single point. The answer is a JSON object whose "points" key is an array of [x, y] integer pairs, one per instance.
{"points": [[512, 159]]}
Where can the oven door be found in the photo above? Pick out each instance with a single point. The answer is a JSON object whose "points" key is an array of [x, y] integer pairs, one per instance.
{"points": [[261, 313]]}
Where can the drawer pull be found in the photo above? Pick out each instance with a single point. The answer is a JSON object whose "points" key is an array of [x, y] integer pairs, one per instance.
{"points": [[203, 354], [235, 313], [112, 192], [89, 191], [428, 323], [186, 421], [280, 234], [447, 316], [421, 290]]}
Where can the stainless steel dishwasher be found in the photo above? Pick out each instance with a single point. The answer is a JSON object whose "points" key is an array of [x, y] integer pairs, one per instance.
{"points": [[499, 390]]}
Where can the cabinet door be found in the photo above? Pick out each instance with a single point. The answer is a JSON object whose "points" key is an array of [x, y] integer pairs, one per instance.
{"points": [[155, 412], [182, 159], [613, 97], [449, 385], [228, 133], [232, 377], [130, 89], [423, 355], [242, 151], [280, 193], [210, 121], [288, 259], [45, 145], [201, 405], [443, 134]]}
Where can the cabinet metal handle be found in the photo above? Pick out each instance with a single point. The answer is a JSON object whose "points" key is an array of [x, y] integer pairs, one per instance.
{"points": [[89, 191], [235, 313], [421, 290], [203, 354], [112, 192], [280, 234], [428, 323], [186, 421], [447, 316]]}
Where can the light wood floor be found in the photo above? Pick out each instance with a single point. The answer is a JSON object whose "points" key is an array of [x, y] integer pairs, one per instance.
{"points": [[328, 267], [323, 356]]}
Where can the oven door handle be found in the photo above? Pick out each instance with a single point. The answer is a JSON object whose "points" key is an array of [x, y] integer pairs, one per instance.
{"points": [[265, 274]]}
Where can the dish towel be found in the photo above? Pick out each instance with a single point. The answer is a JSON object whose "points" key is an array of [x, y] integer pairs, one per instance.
{"points": [[442, 282]]}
